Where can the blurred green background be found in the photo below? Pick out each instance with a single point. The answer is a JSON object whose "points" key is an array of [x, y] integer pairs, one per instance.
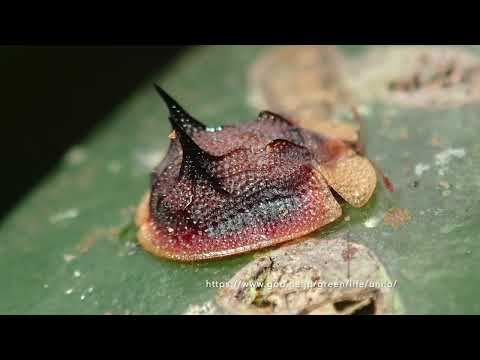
{"points": [[54, 96]]}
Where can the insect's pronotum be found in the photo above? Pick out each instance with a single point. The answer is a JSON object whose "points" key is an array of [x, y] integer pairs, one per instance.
{"points": [[234, 189]]}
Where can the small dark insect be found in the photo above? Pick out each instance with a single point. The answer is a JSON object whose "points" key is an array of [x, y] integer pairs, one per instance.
{"points": [[234, 189]]}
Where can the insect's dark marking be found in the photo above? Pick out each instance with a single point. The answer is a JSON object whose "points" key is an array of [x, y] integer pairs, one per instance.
{"points": [[178, 116]]}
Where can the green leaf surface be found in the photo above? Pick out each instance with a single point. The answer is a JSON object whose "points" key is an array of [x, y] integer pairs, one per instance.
{"points": [[70, 248]]}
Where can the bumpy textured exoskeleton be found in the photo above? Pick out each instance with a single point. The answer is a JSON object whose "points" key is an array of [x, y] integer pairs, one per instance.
{"points": [[234, 189]]}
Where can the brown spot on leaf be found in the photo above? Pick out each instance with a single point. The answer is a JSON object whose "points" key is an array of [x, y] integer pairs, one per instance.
{"points": [[420, 76], [87, 243], [311, 277], [301, 82], [396, 217], [349, 252], [435, 141]]}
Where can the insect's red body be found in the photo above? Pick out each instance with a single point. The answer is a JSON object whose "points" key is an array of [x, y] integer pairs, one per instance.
{"points": [[234, 189]]}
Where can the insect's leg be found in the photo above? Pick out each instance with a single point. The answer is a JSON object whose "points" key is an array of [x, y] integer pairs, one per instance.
{"points": [[360, 148]]}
